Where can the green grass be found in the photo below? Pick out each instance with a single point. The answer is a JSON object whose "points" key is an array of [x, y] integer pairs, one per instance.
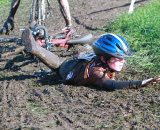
{"points": [[142, 31], [4, 2], [4, 9]]}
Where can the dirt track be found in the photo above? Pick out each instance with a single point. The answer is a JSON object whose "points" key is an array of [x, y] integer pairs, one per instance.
{"points": [[44, 103]]}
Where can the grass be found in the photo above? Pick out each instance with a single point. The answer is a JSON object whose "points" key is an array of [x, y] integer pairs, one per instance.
{"points": [[141, 30], [4, 5], [4, 2]]}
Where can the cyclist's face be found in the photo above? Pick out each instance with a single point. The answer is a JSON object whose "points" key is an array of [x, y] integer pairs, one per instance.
{"points": [[116, 63]]}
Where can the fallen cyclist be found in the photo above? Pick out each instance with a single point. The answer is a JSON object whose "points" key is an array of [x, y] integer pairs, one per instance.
{"points": [[94, 69], [9, 23]]}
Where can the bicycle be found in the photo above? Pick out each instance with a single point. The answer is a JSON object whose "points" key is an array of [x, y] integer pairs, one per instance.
{"points": [[58, 40], [37, 17]]}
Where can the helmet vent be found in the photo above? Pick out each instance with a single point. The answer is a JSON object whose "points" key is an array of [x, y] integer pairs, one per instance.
{"points": [[109, 39], [118, 46], [106, 43]]}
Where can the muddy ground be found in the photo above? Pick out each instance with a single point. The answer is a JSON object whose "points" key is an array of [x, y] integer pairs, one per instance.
{"points": [[42, 102]]}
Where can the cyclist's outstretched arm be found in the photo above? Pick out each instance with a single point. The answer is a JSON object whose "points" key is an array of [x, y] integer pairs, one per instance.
{"points": [[64, 8], [9, 23]]}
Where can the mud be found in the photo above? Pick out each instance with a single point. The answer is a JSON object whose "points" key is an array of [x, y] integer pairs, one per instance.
{"points": [[29, 100]]}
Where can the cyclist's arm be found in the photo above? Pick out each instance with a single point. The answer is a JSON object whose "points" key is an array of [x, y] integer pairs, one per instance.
{"points": [[99, 79], [113, 84]]}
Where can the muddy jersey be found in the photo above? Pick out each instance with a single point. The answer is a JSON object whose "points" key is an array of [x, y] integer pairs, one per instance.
{"points": [[94, 73]]}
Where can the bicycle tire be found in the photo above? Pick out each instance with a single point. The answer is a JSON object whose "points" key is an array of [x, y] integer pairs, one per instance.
{"points": [[38, 12]]}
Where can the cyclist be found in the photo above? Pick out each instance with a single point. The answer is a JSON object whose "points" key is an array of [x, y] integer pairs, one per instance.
{"points": [[94, 69], [9, 23]]}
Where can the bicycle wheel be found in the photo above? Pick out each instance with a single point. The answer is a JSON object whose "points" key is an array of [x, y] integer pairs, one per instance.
{"points": [[38, 12], [33, 14]]}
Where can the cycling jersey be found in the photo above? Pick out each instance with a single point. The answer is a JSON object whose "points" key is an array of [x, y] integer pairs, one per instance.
{"points": [[92, 72]]}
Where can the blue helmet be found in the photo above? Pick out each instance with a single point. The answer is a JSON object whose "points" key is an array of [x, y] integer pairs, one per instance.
{"points": [[111, 45]]}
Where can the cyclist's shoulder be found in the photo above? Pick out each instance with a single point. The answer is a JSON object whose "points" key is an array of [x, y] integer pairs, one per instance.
{"points": [[88, 56]]}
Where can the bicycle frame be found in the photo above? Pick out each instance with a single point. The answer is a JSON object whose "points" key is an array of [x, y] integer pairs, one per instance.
{"points": [[40, 34], [59, 40], [37, 18]]}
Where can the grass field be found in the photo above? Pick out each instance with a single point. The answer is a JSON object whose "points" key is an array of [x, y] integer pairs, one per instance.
{"points": [[141, 29]]}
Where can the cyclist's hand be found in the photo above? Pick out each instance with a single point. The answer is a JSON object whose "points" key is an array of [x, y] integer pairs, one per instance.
{"points": [[151, 81], [7, 26]]}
